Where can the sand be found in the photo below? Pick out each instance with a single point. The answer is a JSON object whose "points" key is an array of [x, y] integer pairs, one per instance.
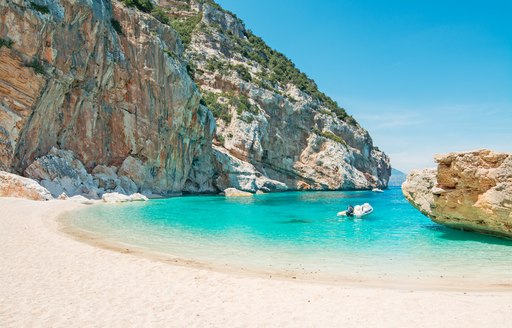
{"points": [[48, 279]]}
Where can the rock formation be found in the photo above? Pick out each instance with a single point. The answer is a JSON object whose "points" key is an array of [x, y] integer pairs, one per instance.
{"points": [[271, 116], [115, 197], [233, 192], [96, 96], [469, 191], [12, 185]]}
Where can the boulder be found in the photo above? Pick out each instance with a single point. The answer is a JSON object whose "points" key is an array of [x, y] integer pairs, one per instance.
{"points": [[106, 177], [115, 197], [63, 196], [138, 198], [135, 170], [60, 171], [82, 200], [468, 191], [233, 192], [12, 185], [128, 185]]}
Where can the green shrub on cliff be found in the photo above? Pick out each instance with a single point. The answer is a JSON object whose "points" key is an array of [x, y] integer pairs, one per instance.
{"points": [[329, 135], [211, 100], [215, 65], [117, 26], [41, 8], [6, 43], [242, 72], [37, 66], [191, 69], [143, 5], [223, 68], [185, 26], [242, 104], [161, 15]]}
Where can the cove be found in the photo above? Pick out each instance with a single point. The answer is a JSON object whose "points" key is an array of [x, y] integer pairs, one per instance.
{"points": [[297, 234]]}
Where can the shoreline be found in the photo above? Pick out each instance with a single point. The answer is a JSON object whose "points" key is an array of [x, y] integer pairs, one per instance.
{"points": [[444, 284], [50, 279]]}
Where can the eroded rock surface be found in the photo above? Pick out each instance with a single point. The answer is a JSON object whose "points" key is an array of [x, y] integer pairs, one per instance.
{"points": [[469, 190], [12, 185]]}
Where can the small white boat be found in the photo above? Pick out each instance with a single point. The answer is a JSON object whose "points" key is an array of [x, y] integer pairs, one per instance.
{"points": [[377, 190], [359, 211]]}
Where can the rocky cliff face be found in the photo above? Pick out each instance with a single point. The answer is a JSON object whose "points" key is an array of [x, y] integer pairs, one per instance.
{"points": [[272, 116], [109, 87], [469, 191], [70, 80]]}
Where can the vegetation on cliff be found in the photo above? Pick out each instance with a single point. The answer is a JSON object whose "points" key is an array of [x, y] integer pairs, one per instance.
{"points": [[6, 43], [272, 70]]}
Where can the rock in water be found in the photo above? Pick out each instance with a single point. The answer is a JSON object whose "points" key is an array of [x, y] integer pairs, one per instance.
{"points": [[12, 185], [115, 197], [469, 191], [233, 192]]}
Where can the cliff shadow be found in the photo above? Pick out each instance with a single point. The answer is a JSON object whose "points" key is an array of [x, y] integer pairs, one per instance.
{"points": [[459, 235]]}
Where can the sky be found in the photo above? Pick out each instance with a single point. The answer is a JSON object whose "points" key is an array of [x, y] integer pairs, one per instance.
{"points": [[423, 77]]}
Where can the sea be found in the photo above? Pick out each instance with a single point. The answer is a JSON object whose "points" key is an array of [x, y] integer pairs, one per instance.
{"points": [[298, 235]]}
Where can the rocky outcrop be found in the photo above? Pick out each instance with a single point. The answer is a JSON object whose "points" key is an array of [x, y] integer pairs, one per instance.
{"points": [[233, 192], [242, 175], [12, 185], [99, 97], [469, 191], [60, 172], [120, 198]]}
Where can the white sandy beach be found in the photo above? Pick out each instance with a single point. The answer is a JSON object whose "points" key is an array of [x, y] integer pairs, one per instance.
{"points": [[48, 279]]}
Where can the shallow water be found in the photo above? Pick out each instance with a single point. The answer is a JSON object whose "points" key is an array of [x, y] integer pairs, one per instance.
{"points": [[298, 233]]}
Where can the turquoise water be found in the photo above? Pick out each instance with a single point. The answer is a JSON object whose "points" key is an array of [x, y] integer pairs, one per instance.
{"points": [[298, 233]]}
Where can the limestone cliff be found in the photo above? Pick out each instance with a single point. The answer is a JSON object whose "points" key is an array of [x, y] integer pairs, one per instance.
{"points": [[99, 96], [271, 115], [104, 81], [469, 191]]}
